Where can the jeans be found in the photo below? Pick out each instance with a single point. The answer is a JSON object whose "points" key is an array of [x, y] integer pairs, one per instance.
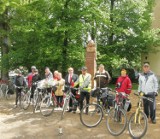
{"points": [[84, 94], [150, 107]]}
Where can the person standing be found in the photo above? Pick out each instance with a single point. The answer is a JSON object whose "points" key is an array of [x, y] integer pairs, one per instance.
{"points": [[59, 92], [55, 75], [48, 74], [36, 77], [30, 75], [123, 83], [101, 80], [70, 79], [19, 82], [101, 77], [84, 82], [148, 84]]}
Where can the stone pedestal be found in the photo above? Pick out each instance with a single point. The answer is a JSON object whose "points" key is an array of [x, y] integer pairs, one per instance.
{"points": [[91, 59]]}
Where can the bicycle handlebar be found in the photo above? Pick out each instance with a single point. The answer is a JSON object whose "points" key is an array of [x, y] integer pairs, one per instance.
{"points": [[19, 87], [142, 96]]}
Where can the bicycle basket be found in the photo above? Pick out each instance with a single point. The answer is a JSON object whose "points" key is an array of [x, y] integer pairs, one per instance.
{"points": [[41, 84], [110, 99]]}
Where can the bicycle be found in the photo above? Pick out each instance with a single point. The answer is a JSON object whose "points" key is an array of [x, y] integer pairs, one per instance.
{"points": [[37, 98], [117, 119], [138, 122], [26, 100], [69, 95], [4, 91], [92, 114], [48, 103]]}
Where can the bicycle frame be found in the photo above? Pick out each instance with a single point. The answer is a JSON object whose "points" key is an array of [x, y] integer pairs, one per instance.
{"points": [[139, 108]]}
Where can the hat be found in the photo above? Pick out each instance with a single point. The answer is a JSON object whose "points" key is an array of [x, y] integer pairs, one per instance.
{"points": [[146, 64], [84, 68], [33, 67]]}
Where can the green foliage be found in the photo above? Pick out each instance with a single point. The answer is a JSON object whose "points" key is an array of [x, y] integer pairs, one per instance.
{"points": [[53, 33]]}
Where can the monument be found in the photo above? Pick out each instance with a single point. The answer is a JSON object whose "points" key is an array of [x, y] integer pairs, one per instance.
{"points": [[91, 59]]}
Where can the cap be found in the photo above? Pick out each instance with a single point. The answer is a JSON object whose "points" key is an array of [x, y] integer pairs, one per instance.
{"points": [[33, 67], [146, 64], [84, 68]]}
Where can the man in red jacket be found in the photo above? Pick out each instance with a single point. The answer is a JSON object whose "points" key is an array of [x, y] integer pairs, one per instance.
{"points": [[124, 83]]}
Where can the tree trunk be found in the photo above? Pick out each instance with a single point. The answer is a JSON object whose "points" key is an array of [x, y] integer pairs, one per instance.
{"points": [[4, 42], [111, 19]]}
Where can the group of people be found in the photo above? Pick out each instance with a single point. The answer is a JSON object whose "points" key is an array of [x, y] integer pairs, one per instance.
{"points": [[148, 84]]}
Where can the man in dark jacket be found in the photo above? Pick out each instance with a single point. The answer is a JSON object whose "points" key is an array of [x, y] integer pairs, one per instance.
{"points": [[102, 77], [69, 82], [101, 80], [19, 84]]}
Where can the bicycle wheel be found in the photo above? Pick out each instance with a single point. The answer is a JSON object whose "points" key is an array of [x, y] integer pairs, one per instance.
{"points": [[36, 104], [138, 125], [116, 121], [91, 115], [20, 100], [64, 108], [46, 106], [26, 101], [7, 95], [1, 93]]}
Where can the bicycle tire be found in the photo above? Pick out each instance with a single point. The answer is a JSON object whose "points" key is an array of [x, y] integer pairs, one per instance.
{"points": [[8, 96], [1, 93], [20, 99], [46, 106], [140, 121], [91, 115], [116, 120], [37, 103], [64, 108], [26, 101]]}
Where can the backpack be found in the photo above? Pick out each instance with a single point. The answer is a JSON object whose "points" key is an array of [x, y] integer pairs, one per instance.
{"points": [[19, 81]]}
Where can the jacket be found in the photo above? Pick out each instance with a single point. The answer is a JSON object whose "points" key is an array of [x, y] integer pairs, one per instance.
{"points": [[124, 84], [60, 87], [29, 79], [148, 83], [20, 81], [36, 78], [84, 82], [102, 79], [74, 78]]}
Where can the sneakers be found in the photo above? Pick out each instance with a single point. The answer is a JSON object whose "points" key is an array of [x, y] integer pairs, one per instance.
{"points": [[154, 121], [15, 106], [58, 109], [70, 110]]}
